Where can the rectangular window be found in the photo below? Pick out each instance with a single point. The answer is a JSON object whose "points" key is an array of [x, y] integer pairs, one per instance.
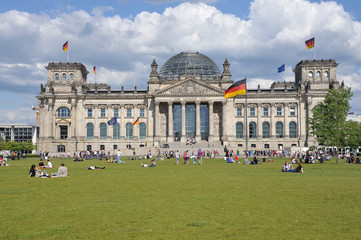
{"points": [[88, 147], [102, 147], [90, 112], [102, 112], [279, 111], [63, 132], [253, 145], [265, 111], [239, 111], [129, 112], [266, 146], [292, 111], [141, 113], [252, 111], [61, 148], [116, 112], [115, 146]]}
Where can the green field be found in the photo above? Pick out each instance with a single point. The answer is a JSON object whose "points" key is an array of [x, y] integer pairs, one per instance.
{"points": [[213, 201]]}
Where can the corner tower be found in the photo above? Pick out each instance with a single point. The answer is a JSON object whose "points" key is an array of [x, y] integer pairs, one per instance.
{"points": [[318, 75]]}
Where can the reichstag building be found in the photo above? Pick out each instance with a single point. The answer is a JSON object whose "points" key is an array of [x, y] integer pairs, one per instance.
{"points": [[184, 100]]}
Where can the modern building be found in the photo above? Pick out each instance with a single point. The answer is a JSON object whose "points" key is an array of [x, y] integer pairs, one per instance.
{"points": [[184, 99], [19, 132]]}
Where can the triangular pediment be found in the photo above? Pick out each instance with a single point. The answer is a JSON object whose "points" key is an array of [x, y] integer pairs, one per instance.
{"points": [[190, 87]]}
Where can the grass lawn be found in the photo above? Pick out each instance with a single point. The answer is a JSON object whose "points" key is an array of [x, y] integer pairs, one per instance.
{"points": [[213, 201]]}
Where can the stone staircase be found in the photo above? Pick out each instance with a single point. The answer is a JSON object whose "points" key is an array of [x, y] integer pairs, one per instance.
{"points": [[181, 147]]}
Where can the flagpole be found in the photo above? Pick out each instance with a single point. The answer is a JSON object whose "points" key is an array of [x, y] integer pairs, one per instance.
{"points": [[246, 120], [67, 53], [314, 53]]}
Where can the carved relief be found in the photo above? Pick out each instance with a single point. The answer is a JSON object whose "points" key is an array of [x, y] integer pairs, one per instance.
{"points": [[190, 88]]}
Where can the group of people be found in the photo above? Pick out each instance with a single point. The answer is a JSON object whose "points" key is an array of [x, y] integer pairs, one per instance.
{"points": [[3, 162], [48, 164], [287, 167], [188, 155], [36, 172]]}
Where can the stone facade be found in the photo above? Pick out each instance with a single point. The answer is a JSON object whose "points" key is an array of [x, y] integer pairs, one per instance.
{"points": [[74, 114]]}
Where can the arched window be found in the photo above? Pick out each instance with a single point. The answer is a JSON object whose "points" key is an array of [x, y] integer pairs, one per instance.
{"points": [[265, 130], [318, 74], [142, 130], [252, 130], [279, 130], [293, 131], [64, 76], [89, 130], [63, 112], [71, 76], [116, 131], [129, 130], [103, 130], [310, 74], [325, 74], [56, 76], [239, 130]]}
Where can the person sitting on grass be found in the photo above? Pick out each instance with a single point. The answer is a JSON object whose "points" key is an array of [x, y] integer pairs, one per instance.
{"points": [[254, 161], [2, 162], [287, 167], [230, 160], [246, 161], [62, 171], [298, 169], [49, 165], [152, 164], [32, 171], [41, 164]]}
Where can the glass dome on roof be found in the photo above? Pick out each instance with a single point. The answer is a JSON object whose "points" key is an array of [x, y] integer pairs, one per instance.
{"points": [[189, 64]]}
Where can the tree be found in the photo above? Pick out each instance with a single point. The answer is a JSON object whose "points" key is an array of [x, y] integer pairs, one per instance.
{"points": [[353, 137], [328, 122]]}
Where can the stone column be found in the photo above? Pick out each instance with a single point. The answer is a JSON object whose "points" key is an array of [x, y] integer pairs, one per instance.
{"points": [[73, 119], [80, 124], [272, 123], [148, 114], [157, 119], [52, 121], [198, 120], [110, 115], [121, 122], [183, 138], [302, 122], [210, 121], [135, 117], [287, 124], [170, 137], [42, 123], [96, 124], [224, 121], [259, 122]]}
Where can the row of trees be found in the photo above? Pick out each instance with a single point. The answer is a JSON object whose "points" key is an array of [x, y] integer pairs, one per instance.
{"points": [[329, 123], [17, 146]]}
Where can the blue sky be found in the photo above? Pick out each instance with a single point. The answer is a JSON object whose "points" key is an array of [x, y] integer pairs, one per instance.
{"points": [[122, 37]]}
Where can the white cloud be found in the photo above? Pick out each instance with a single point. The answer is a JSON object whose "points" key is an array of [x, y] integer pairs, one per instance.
{"points": [[123, 48]]}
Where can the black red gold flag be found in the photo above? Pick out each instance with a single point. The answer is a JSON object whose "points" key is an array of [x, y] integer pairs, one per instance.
{"points": [[237, 88]]}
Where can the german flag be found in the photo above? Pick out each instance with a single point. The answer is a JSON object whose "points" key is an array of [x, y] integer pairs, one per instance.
{"points": [[310, 43], [65, 46], [135, 122], [237, 88], [95, 70]]}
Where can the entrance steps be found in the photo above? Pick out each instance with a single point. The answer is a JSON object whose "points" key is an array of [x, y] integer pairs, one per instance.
{"points": [[181, 147]]}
